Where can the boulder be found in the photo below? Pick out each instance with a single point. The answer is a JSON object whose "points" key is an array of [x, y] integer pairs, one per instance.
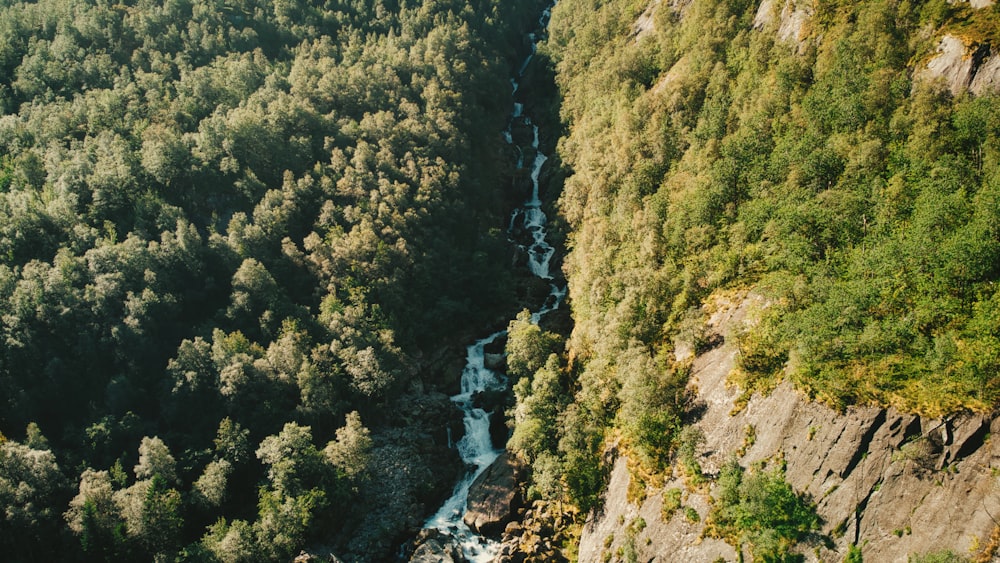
{"points": [[435, 547], [495, 362], [538, 536], [499, 433], [497, 347], [495, 496]]}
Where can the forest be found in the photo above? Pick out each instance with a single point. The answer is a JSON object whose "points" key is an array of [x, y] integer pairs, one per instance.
{"points": [[234, 238]]}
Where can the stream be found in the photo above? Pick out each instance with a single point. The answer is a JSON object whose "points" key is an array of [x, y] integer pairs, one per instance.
{"points": [[475, 448]]}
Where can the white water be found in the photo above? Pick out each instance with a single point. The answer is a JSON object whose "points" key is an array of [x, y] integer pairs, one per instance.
{"points": [[533, 218], [475, 447]]}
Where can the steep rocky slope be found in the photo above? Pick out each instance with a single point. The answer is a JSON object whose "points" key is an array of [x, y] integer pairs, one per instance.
{"points": [[890, 483]]}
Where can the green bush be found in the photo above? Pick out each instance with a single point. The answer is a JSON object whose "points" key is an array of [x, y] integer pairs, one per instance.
{"points": [[762, 510], [671, 503], [691, 515], [853, 554], [943, 556]]}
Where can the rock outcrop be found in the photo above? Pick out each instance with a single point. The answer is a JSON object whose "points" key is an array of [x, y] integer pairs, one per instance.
{"points": [[645, 25], [538, 535], [977, 4], [790, 20], [957, 63], [950, 65], [891, 483], [495, 496], [961, 67], [987, 77]]}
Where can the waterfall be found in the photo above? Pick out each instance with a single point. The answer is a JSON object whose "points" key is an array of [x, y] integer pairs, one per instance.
{"points": [[475, 447]]}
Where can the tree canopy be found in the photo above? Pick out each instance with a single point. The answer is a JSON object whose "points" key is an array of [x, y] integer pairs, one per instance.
{"points": [[225, 229]]}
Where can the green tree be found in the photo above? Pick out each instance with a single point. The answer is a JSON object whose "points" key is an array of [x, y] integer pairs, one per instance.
{"points": [[92, 513], [653, 400], [528, 346], [283, 522], [161, 520], [155, 459], [210, 489], [351, 452], [31, 490], [232, 542], [539, 402], [294, 465], [232, 442]]}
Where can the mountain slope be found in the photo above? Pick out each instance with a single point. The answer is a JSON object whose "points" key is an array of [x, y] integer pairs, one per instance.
{"points": [[895, 485], [839, 160]]}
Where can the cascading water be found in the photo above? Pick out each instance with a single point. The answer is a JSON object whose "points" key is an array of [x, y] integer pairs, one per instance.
{"points": [[475, 447]]}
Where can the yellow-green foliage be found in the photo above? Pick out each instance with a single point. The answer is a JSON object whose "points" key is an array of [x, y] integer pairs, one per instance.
{"points": [[671, 503], [866, 206]]}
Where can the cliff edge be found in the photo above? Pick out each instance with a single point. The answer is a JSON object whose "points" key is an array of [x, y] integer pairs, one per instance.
{"points": [[889, 483]]}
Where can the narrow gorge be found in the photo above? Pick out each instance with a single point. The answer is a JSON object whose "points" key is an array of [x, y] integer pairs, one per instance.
{"points": [[457, 531], [782, 249]]}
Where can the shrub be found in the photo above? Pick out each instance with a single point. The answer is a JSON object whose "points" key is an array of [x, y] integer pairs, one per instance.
{"points": [[691, 514], [671, 503], [762, 510]]}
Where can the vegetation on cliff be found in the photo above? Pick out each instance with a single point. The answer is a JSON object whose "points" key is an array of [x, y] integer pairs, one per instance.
{"points": [[761, 510], [799, 150]]}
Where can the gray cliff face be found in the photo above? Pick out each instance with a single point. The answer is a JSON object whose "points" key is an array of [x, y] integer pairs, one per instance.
{"points": [[961, 65], [952, 65], [789, 19], [977, 4], [893, 484]]}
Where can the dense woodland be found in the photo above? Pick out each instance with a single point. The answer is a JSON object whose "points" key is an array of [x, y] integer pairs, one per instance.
{"points": [[231, 234], [234, 235], [705, 154]]}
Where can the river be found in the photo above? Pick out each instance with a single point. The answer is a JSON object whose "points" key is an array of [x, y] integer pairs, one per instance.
{"points": [[475, 448]]}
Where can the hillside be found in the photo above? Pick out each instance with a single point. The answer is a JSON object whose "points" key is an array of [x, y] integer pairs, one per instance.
{"points": [[838, 160], [886, 485]]}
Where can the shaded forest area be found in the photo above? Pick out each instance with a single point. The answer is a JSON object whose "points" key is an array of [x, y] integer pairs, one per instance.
{"points": [[231, 233]]}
